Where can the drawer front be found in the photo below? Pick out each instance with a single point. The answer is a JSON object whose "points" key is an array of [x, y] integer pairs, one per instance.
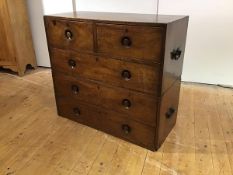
{"points": [[70, 34], [107, 121], [136, 42], [136, 106], [115, 72]]}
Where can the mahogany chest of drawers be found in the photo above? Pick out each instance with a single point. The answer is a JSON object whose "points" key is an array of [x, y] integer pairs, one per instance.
{"points": [[118, 73]]}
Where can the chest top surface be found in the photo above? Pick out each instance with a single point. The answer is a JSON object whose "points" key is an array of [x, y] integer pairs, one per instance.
{"points": [[120, 17]]}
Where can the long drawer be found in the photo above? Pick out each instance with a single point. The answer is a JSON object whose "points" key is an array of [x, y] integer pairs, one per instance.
{"points": [[135, 42], [136, 106], [107, 121], [133, 76]]}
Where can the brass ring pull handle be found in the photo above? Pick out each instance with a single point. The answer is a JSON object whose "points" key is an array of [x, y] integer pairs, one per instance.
{"points": [[68, 34], [76, 112], [176, 54], [72, 63], [170, 112], [126, 74], [75, 89], [126, 41], [126, 103], [126, 129]]}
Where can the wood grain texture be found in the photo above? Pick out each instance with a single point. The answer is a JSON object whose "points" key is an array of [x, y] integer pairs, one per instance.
{"points": [[175, 40], [81, 38], [16, 36], [144, 78], [145, 42], [7, 49], [22, 34], [108, 121], [126, 62], [165, 123], [34, 140], [143, 107]]}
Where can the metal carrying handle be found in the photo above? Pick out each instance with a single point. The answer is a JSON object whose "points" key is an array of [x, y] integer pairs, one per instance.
{"points": [[176, 54], [170, 112]]}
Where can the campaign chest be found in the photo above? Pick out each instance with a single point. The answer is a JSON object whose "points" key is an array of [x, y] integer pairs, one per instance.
{"points": [[118, 73]]}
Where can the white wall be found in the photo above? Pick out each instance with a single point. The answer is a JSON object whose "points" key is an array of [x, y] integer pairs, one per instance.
{"points": [[208, 57], [130, 6], [35, 10], [133, 6], [55, 6], [209, 48]]}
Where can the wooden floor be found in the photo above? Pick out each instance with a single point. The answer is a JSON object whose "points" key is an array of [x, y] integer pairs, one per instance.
{"points": [[35, 141]]}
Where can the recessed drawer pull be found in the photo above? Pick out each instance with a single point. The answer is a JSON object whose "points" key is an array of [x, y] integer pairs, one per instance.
{"points": [[72, 63], [176, 54], [76, 112], [68, 35], [170, 112], [126, 129], [126, 103], [126, 41], [75, 89], [126, 75]]}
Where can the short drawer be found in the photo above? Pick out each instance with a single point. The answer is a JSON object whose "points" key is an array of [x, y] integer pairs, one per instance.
{"points": [[135, 42], [74, 35], [128, 75], [136, 106], [107, 121]]}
